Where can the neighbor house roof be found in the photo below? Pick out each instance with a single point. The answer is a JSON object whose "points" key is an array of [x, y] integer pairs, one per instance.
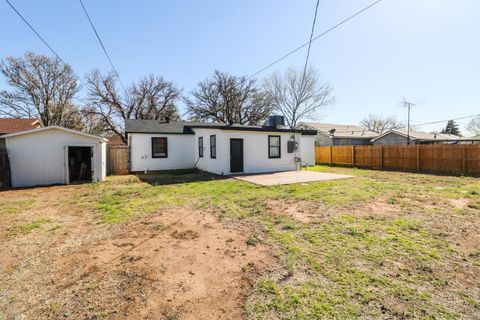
{"points": [[341, 130], [11, 125], [422, 136], [115, 141], [20, 133], [185, 127]]}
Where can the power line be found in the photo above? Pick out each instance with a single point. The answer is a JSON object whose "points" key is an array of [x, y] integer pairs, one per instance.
{"points": [[419, 124], [103, 47], [35, 31], [38, 35], [314, 38], [441, 121], [310, 42]]}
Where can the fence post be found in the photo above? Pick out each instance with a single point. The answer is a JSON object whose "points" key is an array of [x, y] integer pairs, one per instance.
{"points": [[418, 157], [353, 156], [331, 157], [464, 160], [381, 157]]}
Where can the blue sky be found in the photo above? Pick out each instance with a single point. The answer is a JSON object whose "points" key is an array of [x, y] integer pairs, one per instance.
{"points": [[425, 50]]}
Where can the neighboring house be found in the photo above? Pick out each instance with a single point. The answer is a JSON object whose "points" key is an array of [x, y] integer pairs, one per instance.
{"points": [[217, 148], [339, 134], [399, 137], [55, 155], [11, 125]]}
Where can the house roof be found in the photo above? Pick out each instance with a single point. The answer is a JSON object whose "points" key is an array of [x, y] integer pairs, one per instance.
{"points": [[423, 136], [11, 125], [341, 130], [20, 133], [185, 127], [115, 141]]}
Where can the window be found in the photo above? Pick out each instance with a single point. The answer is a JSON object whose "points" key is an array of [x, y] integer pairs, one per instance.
{"points": [[159, 148], [274, 146], [200, 147], [213, 146]]}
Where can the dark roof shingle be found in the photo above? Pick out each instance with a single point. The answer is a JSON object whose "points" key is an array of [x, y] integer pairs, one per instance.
{"points": [[184, 127]]}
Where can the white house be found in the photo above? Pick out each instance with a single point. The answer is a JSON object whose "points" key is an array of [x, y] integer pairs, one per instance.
{"points": [[217, 148], [55, 155]]}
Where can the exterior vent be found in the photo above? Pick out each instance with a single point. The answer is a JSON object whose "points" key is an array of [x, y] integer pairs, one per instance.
{"points": [[276, 121]]}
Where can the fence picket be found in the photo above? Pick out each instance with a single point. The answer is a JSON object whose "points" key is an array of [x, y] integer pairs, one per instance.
{"points": [[117, 160], [461, 159]]}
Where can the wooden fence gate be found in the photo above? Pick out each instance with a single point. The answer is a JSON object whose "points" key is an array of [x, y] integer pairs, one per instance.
{"points": [[462, 159], [4, 170], [117, 160]]}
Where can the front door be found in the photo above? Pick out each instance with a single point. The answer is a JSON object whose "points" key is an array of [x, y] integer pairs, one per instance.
{"points": [[236, 155]]}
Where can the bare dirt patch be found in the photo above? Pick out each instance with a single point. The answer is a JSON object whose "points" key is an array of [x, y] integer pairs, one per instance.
{"points": [[192, 272], [177, 264], [303, 211]]}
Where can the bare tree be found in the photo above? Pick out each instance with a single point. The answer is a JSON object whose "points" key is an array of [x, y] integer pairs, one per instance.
{"points": [[380, 124], [298, 95], [93, 123], [229, 99], [43, 88], [474, 125], [152, 98]]}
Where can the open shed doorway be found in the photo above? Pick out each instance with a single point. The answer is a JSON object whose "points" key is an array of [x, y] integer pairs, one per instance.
{"points": [[80, 164]]}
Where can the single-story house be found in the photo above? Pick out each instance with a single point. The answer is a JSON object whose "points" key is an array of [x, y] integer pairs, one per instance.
{"points": [[11, 125], [55, 155], [339, 134], [217, 147], [399, 137]]}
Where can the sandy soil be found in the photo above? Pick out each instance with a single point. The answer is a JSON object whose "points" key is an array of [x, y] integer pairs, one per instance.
{"points": [[178, 264]]}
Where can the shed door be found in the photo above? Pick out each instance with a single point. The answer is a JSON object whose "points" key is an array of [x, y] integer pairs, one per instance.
{"points": [[80, 167], [236, 155]]}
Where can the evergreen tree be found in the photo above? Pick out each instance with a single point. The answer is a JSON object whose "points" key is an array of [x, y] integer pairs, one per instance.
{"points": [[452, 128]]}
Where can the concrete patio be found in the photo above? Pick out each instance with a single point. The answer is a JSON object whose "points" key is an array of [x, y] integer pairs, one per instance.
{"points": [[289, 177]]}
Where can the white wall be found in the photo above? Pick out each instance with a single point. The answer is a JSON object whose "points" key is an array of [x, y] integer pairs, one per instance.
{"points": [[38, 158], [307, 149], [181, 152], [206, 163], [255, 148]]}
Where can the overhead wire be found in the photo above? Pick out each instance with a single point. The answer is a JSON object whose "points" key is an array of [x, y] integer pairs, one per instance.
{"points": [[314, 39], [103, 46], [38, 35]]}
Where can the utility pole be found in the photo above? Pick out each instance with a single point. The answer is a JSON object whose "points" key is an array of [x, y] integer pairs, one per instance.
{"points": [[408, 105]]}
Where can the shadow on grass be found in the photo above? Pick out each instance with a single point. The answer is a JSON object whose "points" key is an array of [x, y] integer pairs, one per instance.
{"points": [[168, 177]]}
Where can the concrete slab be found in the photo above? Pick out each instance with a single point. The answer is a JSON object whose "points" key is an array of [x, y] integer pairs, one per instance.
{"points": [[289, 177]]}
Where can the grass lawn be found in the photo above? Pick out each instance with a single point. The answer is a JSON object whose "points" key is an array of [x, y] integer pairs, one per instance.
{"points": [[380, 245]]}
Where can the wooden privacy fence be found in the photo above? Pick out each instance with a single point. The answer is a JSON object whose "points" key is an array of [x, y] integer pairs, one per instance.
{"points": [[463, 159], [117, 160], [4, 170]]}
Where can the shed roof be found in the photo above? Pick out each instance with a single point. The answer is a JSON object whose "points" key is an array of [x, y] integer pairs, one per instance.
{"points": [[33, 131], [341, 130], [11, 125], [185, 127]]}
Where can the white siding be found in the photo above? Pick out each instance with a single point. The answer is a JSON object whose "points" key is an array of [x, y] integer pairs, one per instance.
{"points": [[255, 149], [181, 152], [206, 163], [38, 158], [307, 149]]}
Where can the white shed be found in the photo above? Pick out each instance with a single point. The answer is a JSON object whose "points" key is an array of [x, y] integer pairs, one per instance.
{"points": [[55, 155]]}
